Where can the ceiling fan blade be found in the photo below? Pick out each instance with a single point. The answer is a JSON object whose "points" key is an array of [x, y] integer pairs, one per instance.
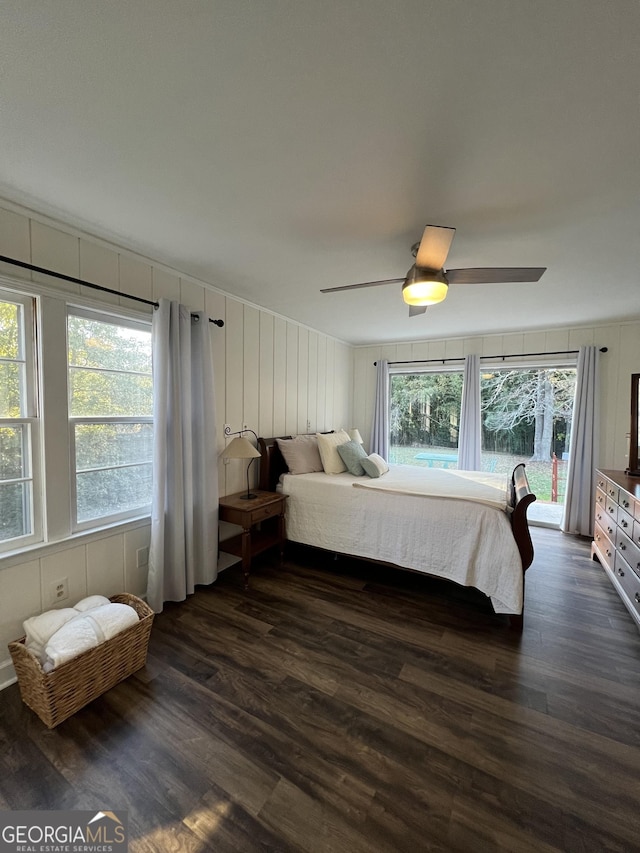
{"points": [[414, 310], [434, 246], [364, 284], [494, 275]]}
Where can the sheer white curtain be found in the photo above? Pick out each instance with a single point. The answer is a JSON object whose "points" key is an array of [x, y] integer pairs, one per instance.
{"points": [[470, 438], [184, 517], [380, 425], [579, 497]]}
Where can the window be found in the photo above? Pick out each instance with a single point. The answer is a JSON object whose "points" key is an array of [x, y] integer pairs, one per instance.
{"points": [[110, 415], [526, 416], [19, 427], [425, 418]]}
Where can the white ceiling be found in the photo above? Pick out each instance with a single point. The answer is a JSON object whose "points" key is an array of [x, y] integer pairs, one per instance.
{"points": [[274, 147]]}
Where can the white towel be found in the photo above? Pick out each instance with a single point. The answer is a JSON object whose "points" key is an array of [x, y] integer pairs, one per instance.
{"points": [[39, 629], [91, 602], [86, 632]]}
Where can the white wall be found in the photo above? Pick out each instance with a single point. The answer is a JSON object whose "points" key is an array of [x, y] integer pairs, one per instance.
{"points": [[273, 375], [616, 367]]}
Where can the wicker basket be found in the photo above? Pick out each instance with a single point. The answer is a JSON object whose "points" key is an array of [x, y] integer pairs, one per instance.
{"points": [[58, 694]]}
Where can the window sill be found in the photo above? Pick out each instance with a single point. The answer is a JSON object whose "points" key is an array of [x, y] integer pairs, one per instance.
{"points": [[44, 549]]}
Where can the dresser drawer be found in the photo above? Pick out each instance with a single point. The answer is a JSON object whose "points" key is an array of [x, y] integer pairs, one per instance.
{"points": [[629, 581], [636, 532], [626, 501], [607, 524], [628, 550], [611, 508], [612, 491], [625, 521], [601, 497], [605, 546], [265, 512], [601, 482]]}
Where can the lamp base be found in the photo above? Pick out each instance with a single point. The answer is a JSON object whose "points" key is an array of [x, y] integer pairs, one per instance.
{"points": [[247, 497]]}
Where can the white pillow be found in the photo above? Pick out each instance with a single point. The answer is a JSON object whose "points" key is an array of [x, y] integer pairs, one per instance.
{"points": [[328, 447], [301, 454], [374, 465]]}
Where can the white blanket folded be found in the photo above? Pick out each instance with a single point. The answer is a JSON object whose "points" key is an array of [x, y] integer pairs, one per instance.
{"points": [[39, 629], [87, 631]]}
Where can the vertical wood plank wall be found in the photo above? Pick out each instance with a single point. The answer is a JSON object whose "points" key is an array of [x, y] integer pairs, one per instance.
{"points": [[271, 374], [616, 367]]}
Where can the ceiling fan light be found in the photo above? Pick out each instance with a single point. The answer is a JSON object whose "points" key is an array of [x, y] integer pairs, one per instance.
{"points": [[423, 287]]}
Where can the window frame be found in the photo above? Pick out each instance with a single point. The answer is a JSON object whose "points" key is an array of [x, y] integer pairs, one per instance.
{"points": [[29, 418]]}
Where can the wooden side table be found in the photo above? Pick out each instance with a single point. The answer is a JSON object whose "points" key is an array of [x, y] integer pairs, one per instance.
{"points": [[262, 522]]}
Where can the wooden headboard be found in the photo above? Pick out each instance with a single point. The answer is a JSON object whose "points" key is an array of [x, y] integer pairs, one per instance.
{"points": [[272, 464]]}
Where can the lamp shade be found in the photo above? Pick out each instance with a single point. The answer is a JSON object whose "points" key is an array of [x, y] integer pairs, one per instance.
{"points": [[354, 435], [240, 448], [424, 287]]}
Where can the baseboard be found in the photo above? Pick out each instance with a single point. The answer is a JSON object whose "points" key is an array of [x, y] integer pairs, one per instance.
{"points": [[7, 674]]}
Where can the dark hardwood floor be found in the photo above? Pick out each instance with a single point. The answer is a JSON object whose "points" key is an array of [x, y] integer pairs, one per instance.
{"points": [[338, 706]]}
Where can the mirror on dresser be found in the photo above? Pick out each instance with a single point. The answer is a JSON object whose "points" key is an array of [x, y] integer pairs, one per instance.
{"points": [[634, 435]]}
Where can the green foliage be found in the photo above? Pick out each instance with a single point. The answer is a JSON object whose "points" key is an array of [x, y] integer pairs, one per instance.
{"points": [[10, 370], [425, 408], [523, 411], [110, 376], [109, 370]]}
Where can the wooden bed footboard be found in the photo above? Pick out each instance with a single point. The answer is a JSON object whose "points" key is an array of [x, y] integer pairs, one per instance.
{"points": [[521, 497]]}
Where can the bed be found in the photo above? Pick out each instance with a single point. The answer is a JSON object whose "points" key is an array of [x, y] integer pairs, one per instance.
{"points": [[415, 519]]}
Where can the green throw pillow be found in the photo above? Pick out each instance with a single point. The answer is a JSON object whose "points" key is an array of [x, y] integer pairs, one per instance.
{"points": [[351, 453]]}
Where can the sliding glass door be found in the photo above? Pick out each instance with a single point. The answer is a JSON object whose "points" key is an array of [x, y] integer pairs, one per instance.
{"points": [[526, 417]]}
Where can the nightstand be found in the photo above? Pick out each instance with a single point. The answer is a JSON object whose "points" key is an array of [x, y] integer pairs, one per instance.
{"points": [[262, 521]]}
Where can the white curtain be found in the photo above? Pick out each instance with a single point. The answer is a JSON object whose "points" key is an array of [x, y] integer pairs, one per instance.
{"points": [[470, 437], [579, 497], [380, 424], [184, 517]]}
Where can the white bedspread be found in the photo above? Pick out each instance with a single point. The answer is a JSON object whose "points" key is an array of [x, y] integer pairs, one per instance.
{"points": [[490, 489], [464, 541]]}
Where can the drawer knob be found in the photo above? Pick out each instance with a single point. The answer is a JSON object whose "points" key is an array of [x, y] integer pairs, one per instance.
{"points": [[608, 553], [625, 504], [637, 597], [624, 523], [621, 572], [610, 509], [610, 529], [622, 547]]}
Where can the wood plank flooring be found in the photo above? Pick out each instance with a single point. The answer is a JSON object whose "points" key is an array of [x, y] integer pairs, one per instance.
{"points": [[341, 707]]}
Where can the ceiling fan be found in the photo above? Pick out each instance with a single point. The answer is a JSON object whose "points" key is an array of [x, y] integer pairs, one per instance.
{"points": [[427, 282]]}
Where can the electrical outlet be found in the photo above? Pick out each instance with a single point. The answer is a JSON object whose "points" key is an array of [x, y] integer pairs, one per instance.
{"points": [[142, 557], [59, 590]]}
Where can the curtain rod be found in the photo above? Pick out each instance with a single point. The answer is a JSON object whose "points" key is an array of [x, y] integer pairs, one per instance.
{"points": [[514, 355], [70, 278]]}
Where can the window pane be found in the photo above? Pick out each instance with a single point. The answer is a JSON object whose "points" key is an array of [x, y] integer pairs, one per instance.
{"points": [[12, 452], [10, 388], [97, 394], [9, 330], [106, 493], [104, 445], [425, 415], [15, 518], [93, 343]]}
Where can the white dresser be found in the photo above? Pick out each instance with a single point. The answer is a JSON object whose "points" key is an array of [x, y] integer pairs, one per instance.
{"points": [[616, 539]]}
